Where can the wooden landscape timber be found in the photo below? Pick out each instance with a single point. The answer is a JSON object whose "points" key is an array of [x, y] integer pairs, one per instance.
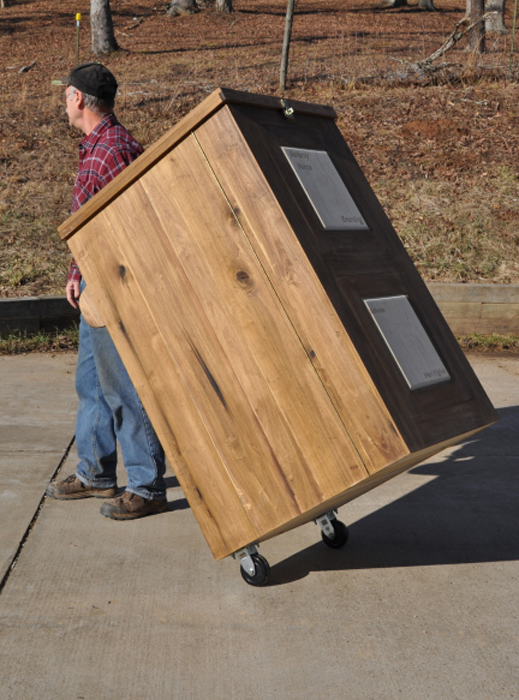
{"points": [[479, 308], [248, 324]]}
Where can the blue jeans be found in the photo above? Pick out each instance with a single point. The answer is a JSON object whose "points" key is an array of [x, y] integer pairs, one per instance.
{"points": [[110, 410]]}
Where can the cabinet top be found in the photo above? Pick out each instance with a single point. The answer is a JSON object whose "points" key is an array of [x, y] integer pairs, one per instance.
{"points": [[201, 113]]}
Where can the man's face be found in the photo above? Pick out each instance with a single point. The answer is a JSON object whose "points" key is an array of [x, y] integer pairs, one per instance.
{"points": [[72, 101]]}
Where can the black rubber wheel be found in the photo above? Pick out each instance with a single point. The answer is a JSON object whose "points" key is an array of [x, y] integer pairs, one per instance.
{"points": [[261, 571], [341, 535]]}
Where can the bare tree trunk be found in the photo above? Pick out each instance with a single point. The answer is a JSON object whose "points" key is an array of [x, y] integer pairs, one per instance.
{"points": [[477, 35], [286, 45], [101, 27], [426, 5], [182, 7], [4, 3], [224, 5], [496, 21]]}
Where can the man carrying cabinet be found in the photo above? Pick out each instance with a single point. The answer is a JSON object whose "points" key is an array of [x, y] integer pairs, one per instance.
{"points": [[109, 408]]}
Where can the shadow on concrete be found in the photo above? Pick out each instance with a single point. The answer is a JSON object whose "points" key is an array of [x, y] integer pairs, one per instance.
{"points": [[469, 513], [171, 482], [179, 504]]}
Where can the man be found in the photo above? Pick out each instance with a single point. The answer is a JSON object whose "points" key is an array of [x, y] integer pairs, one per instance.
{"points": [[109, 408]]}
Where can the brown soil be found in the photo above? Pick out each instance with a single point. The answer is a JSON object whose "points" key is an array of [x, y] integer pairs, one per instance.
{"points": [[440, 149]]}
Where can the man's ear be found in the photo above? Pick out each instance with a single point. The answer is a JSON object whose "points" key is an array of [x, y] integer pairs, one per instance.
{"points": [[78, 97]]}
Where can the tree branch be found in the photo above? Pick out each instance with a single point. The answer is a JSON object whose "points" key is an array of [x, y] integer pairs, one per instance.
{"points": [[453, 39]]}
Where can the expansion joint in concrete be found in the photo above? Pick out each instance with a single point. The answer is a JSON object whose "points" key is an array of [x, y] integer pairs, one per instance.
{"points": [[34, 518]]}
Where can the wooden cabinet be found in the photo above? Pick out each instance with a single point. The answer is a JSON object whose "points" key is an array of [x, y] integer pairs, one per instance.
{"points": [[287, 351]]}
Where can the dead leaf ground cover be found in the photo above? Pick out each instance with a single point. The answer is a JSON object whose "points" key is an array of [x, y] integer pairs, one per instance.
{"points": [[441, 151]]}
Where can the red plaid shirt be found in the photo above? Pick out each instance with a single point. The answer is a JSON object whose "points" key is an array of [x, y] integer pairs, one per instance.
{"points": [[103, 154]]}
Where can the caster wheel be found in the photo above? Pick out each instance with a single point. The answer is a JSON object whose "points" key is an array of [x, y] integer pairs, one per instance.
{"points": [[261, 571], [341, 535]]}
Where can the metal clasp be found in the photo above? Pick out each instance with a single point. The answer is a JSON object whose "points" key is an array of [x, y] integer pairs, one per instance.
{"points": [[288, 111]]}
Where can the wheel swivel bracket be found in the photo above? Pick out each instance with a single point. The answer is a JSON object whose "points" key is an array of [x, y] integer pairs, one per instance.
{"points": [[244, 556], [325, 523]]}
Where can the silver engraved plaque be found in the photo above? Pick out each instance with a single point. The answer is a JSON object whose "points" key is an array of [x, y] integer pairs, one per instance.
{"points": [[409, 343], [325, 189]]}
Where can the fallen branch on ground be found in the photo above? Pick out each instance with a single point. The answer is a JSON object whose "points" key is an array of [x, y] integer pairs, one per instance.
{"points": [[458, 34], [450, 41], [26, 69], [425, 67]]}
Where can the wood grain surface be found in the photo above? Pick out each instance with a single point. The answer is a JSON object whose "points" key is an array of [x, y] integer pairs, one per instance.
{"points": [[89, 310], [243, 326], [392, 273]]}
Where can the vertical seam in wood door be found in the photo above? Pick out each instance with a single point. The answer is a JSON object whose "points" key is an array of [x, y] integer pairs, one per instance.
{"points": [[247, 238]]}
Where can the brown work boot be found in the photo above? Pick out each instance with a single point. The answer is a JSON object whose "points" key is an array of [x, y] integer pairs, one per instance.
{"points": [[72, 487], [129, 506]]}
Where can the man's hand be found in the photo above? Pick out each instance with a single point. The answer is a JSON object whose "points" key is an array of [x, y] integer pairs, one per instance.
{"points": [[72, 292]]}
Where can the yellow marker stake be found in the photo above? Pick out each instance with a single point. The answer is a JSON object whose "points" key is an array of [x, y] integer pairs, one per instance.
{"points": [[78, 20]]}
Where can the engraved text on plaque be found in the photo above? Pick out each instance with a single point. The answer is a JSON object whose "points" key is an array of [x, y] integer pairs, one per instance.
{"points": [[325, 189], [409, 343]]}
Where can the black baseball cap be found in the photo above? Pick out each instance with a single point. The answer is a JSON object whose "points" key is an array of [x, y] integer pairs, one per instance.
{"points": [[93, 79]]}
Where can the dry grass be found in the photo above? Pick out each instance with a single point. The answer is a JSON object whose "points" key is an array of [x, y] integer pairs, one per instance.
{"points": [[463, 234], [490, 343], [441, 152], [20, 343]]}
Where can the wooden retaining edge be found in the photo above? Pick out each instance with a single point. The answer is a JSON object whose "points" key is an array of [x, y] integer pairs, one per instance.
{"points": [[478, 308], [32, 315], [468, 308]]}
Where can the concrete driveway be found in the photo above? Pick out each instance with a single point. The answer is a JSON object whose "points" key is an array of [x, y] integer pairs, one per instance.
{"points": [[421, 603]]}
